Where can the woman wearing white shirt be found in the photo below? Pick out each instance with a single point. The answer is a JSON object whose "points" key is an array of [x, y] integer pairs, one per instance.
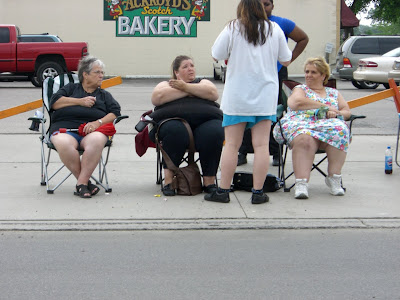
{"points": [[252, 44]]}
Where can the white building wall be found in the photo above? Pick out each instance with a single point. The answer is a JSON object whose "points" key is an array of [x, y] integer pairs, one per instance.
{"points": [[77, 20]]}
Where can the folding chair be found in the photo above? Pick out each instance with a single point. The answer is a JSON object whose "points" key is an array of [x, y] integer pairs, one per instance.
{"points": [[146, 121], [51, 86], [287, 88], [396, 98]]}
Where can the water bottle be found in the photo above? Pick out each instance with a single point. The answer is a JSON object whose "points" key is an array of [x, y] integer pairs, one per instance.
{"points": [[388, 161]]}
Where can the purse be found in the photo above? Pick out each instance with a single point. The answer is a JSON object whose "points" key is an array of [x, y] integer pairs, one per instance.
{"points": [[186, 180], [244, 181]]}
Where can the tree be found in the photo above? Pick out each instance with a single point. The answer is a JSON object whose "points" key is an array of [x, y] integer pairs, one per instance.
{"points": [[384, 11]]}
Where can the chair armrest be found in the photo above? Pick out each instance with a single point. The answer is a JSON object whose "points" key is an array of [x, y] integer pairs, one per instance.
{"points": [[279, 111], [353, 118], [37, 119], [120, 118]]}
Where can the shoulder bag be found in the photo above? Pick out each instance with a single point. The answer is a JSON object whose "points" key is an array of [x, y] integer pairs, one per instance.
{"points": [[186, 180]]}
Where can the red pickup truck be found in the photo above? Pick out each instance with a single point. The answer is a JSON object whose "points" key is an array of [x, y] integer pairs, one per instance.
{"points": [[37, 60]]}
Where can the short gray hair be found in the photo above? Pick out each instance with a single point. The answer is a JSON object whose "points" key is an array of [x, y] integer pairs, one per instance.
{"points": [[86, 65]]}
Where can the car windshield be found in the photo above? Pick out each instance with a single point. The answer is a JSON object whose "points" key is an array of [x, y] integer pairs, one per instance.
{"points": [[393, 53]]}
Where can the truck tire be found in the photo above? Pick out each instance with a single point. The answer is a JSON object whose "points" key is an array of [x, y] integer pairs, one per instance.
{"points": [[34, 80], [48, 69]]}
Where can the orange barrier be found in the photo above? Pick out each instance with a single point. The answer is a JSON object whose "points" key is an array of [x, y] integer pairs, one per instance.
{"points": [[38, 103], [396, 95], [377, 96]]}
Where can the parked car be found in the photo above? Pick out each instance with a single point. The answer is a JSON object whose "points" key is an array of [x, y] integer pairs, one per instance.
{"points": [[376, 69], [36, 60], [359, 47], [220, 69], [395, 72], [39, 38]]}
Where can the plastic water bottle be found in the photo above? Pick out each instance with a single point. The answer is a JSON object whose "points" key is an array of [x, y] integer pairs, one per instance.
{"points": [[388, 161]]}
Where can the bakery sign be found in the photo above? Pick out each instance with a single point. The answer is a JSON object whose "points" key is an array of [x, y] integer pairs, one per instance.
{"points": [[156, 18]]}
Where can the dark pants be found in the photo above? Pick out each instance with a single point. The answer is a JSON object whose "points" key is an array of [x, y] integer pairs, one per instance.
{"points": [[247, 146], [208, 140]]}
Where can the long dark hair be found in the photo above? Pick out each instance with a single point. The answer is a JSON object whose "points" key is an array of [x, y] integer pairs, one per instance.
{"points": [[252, 17]]}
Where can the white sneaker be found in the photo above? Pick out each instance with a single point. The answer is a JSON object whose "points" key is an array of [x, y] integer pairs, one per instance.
{"points": [[301, 189], [335, 184]]}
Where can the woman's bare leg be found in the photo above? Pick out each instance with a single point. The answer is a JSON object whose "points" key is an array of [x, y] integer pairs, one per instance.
{"points": [[260, 140]]}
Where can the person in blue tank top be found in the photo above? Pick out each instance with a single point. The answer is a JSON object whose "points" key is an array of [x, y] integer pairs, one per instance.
{"points": [[295, 33]]}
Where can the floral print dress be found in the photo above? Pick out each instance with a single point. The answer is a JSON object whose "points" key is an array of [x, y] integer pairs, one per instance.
{"points": [[333, 131]]}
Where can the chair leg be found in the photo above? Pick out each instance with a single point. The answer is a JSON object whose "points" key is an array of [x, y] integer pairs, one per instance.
{"points": [[103, 173], [397, 144], [159, 166]]}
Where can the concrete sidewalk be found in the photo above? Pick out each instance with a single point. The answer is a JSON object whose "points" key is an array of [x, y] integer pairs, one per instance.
{"points": [[136, 203]]}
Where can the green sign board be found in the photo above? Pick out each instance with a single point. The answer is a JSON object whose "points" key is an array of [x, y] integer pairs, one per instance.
{"points": [[156, 18]]}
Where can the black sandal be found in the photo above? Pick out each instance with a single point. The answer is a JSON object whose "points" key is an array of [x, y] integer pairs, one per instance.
{"points": [[82, 191], [93, 189]]}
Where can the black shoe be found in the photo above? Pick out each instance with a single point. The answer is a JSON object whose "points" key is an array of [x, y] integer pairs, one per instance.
{"points": [[168, 190], [242, 159], [275, 161], [259, 198], [210, 188], [217, 197]]}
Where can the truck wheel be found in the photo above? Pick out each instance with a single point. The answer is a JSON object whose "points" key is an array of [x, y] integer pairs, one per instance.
{"points": [[34, 80], [48, 69]]}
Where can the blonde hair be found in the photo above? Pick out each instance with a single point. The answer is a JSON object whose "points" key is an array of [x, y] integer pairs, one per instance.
{"points": [[321, 65]]}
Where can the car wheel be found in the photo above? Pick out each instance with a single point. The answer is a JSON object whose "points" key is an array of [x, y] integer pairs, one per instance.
{"points": [[34, 80], [216, 77], [387, 86], [369, 84], [356, 84], [48, 69], [223, 75]]}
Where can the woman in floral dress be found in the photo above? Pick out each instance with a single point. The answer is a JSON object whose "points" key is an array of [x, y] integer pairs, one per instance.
{"points": [[315, 121]]}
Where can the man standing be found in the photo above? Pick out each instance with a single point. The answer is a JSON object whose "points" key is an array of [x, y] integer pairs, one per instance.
{"points": [[296, 34]]}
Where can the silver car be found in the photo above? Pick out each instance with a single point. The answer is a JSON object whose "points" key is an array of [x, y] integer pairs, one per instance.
{"points": [[395, 72], [358, 47], [376, 69]]}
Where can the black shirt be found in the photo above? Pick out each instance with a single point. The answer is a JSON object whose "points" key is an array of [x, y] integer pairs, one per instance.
{"points": [[72, 117]]}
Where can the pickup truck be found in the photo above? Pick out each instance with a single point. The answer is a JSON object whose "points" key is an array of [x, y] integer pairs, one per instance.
{"points": [[37, 60]]}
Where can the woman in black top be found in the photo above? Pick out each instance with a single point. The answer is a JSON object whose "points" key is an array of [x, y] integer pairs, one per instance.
{"points": [[194, 100], [73, 105]]}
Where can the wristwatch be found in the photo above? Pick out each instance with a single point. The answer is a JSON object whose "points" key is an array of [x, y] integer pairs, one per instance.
{"points": [[100, 121]]}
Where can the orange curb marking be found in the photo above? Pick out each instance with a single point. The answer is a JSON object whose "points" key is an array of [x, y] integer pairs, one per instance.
{"points": [[38, 103]]}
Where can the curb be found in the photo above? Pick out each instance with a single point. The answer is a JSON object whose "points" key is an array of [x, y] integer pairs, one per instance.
{"points": [[196, 224]]}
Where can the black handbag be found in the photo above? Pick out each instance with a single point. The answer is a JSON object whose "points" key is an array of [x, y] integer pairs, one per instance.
{"points": [[244, 181]]}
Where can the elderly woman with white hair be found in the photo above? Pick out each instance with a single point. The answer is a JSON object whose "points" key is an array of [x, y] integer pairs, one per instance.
{"points": [[76, 104]]}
